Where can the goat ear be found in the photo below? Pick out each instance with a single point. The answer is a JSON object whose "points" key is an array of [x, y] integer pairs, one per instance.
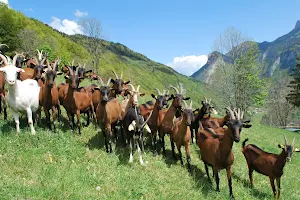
{"points": [[96, 88], [126, 82], [59, 73], [143, 94], [170, 98], [196, 110], [88, 71], [202, 102], [153, 96], [296, 150], [280, 146], [187, 98], [67, 77], [112, 81], [248, 121], [247, 125], [21, 70]]}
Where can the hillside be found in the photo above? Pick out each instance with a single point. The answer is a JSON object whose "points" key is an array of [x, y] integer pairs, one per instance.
{"points": [[276, 55], [135, 67]]}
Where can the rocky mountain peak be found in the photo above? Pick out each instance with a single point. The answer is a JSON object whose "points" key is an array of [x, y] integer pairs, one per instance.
{"points": [[297, 26]]}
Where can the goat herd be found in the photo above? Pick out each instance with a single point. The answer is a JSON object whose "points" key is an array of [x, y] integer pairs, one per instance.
{"points": [[32, 88]]}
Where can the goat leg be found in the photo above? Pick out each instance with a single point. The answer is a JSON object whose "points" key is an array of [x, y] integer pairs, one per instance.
{"points": [[154, 143], [173, 147], [207, 172], [16, 117], [278, 186], [105, 139], [192, 135], [251, 176], [30, 121], [188, 156], [162, 141], [54, 113], [71, 121], [180, 154], [138, 143], [216, 172], [88, 118], [58, 112], [1, 99], [273, 186], [78, 121], [130, 148], [228, 170], [4, 108], [47, 113]]}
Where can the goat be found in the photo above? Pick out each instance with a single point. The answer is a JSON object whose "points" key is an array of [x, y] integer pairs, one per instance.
{"points": [[108, 113], [35, 73], [181, 133], [157, 116], [146, 109], [82, 72], [119, 86], [167, 122], [2, 95], [204, 112], [268, 164], [76, 102], [20, 59], [22, 96], [216, 146], [134, 125], [48, 96]]}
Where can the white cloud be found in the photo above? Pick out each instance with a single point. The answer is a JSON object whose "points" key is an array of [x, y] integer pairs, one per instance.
{"points": [[66, 26], [187, 65], [4, 1], [78, 13]]}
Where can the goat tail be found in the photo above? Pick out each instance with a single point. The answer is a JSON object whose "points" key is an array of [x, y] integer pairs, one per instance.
{"points": [[244, 143]]}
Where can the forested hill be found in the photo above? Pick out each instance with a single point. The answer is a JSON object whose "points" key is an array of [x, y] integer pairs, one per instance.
{"points": [[16, 29]]}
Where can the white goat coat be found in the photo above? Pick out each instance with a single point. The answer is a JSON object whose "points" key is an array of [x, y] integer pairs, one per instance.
{"points": [[23, 95]]}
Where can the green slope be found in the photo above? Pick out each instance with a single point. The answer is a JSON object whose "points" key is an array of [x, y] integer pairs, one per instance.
{"points": [[135, 67]]}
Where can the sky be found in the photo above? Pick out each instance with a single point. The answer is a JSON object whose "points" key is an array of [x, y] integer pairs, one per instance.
{"points": [[177, 33]]}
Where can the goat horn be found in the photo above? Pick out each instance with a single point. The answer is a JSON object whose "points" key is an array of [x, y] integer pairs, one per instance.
{"points": [[71, 71], [15, 59], [293, 141], [42, 62], [121, 75], [115, 74], [176, 89], [138, 87], [165, 92], [180, 86], [3, 45], [191, 104], [231, 113], [242, 115], [49, 67], [84, 66], [55, 64], [4, 59], [286, 142], [108, 81], [73, 62], [145, 122], [211, 131], [159, 93], [186, 106], [76, 72], [100, 81], [205, 100], [132, 87], [69, 63], [236, 113]]}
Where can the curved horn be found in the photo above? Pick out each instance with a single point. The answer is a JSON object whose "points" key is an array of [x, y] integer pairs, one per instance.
{"points": [[49, 67], [71, 71], [206, 101], [69, 63], [191, 104], [108, 81], [115, 74], [293, 141], [159, 93], [286, 142], [145, 122], [242, 115], [176, 89], [231, 113], [15, 58], [165, 92], [4, 59], [3, 45], [132, 87], [138, 87], [186, 105], [121, 75], [100, 81], [84, 66], [43, 61], [73, 62], [76, 72]]}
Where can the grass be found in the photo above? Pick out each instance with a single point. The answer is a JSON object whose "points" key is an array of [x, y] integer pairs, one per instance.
{"points": [[65, 166]]}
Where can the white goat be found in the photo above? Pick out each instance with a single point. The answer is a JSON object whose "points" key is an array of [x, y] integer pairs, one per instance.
{"points": [[22, 96]]}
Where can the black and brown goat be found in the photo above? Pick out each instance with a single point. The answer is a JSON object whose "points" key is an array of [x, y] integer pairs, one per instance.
{"points": [[216, 146], [181, 133], [48, 96], [108, 113], [268, 164], [119, 85], [74, 101]]}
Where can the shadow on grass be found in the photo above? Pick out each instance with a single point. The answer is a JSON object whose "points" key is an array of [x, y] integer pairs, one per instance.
{"points": [[201, 181], [254, 192]]}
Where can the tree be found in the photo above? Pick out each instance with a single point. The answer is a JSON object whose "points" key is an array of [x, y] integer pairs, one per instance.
{"points": [[29, 41], [294, 95], [238, 79], [91, 27]]}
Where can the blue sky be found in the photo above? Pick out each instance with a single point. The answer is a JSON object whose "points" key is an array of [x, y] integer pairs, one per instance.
{"points": [[170, 32]]}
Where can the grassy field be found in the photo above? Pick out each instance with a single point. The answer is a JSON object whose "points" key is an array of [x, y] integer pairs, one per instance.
{"points": [[65, 166]]}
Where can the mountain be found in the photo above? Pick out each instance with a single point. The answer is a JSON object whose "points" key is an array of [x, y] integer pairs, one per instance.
{"points": [[136, 67], [279, 54]]}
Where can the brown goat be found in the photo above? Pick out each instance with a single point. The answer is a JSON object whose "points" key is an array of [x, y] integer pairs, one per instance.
{"points": [[108, 113], [216, 150], [167, 122], [146, 109], [48, 96], [119, 86], [76, 102], [181, 133], [268, 164], [157, 116]]}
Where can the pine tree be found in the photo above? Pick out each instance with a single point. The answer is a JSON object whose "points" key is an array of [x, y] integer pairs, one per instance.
{"points": [[294, 95]]}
